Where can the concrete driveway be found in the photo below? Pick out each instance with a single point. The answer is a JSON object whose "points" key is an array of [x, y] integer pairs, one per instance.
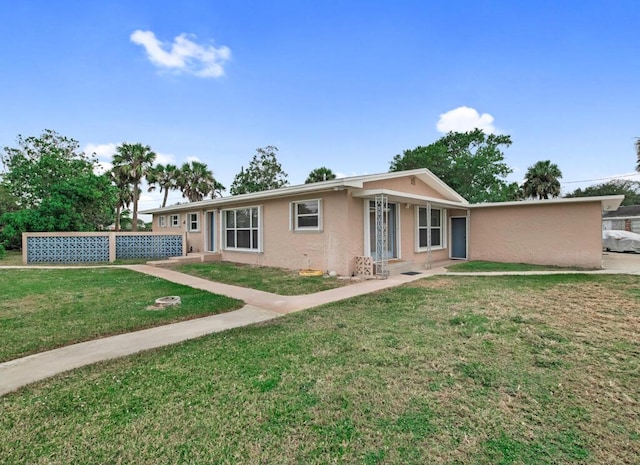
{"points": [[621, 261]]}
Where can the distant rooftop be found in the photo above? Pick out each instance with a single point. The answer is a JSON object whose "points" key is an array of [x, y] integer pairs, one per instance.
{"points": [[624, 212]]}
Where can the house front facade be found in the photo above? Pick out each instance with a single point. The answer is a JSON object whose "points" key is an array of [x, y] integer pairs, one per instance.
{"points": [[343, 225]]}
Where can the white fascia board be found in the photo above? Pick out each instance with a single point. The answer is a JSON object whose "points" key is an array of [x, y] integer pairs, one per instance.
{"points": [[609, 202], [326, 186]]}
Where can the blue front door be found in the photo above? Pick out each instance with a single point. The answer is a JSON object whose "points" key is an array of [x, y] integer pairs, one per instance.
{"points": [[459, 238]]}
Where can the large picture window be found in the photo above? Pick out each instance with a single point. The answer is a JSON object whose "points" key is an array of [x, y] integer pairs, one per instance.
{"points": [[436, 228], [242, 228], [307, 215]]}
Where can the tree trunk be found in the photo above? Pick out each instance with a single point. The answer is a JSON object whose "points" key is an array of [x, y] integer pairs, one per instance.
{"points": [[118, 211], [164, 200], [134, 221]]}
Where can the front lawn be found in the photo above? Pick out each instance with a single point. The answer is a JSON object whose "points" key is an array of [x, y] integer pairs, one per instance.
{"points": [[450, 369], [263, 278], [41, 309], [11, 258], [479, 266]]}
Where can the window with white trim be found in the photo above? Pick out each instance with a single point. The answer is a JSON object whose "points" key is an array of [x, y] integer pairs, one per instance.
{"points": [[436, 228], [242, 228], [307, 215], [193, 220], [174, 220], [162, 221]]}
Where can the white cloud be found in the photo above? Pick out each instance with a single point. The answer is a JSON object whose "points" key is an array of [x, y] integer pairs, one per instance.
{"points": [[104, 152], [165, 158], [183, 55], [463, 119], [190, 159]]}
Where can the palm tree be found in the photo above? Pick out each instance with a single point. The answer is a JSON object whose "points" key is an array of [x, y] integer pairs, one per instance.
{"points": [[218, 189], [164, 177], [196, 181], [135, 161], [124, 193], [320, 174], [638, 154], [542, 180]]}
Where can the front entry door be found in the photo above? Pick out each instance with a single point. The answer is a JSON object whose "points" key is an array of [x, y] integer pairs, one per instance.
{"points": [[459, 238], [392, 248], [211, 225]]}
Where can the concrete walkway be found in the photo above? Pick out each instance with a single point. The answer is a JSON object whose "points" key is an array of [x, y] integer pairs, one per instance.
{"points": [[260, 306]]}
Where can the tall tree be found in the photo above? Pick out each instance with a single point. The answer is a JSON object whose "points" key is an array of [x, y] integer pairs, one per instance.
{"points": [[124, 195], [638, 154], [135, 161], [165, 178], [471, 163], [54, 186], [8, 202], [542, 180], [630, 190], [196, 181], [218, 189], [319, 175], [264, 173]]}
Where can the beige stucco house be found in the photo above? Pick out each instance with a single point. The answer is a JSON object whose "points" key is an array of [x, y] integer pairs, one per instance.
{"points": [[404, 219]]}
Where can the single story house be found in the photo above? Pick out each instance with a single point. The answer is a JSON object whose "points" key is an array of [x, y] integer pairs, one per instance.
{"points": [[624, 219], [368, 224]]}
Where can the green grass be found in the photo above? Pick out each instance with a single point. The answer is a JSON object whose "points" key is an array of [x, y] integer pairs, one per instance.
{"points": [[14, 258], [446, 370], [263, 278], [478, 266], [41, 309], [11, 258]]}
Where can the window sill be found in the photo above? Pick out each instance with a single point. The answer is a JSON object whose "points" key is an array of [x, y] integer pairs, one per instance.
{"points": [[232, 249], [309, 230], [425, 249]]}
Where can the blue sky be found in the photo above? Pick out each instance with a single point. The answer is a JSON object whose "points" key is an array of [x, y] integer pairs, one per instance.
{"points": [[344, 84]]}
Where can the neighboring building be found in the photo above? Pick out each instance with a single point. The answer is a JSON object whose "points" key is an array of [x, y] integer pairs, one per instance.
{"points": [[408, 217], [624, 219]]}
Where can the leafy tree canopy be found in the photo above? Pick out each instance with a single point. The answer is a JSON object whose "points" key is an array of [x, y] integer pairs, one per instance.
{"points": [[55, 187], [264, 173], [471, 163], [41, 162], [8, 202], [320, 174], [630, 190]]}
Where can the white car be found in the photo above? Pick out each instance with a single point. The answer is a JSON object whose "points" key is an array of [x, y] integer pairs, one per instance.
{"points": [[621, 241]]}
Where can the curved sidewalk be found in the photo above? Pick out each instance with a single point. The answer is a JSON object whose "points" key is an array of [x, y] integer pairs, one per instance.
{"points": [[260, 306]]}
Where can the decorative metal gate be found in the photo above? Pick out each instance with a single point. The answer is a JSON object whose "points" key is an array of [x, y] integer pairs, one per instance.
{"points": [[382, 236]]}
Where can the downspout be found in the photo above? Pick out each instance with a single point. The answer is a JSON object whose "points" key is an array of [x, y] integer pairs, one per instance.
{"points": [[468, 232]]}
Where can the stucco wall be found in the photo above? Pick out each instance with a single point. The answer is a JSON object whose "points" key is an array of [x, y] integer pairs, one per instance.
{"points": [[551, 234], [408, 184], [327, 250]]}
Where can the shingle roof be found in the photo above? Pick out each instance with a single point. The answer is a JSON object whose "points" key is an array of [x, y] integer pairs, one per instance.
{"points": [[623, 212]]}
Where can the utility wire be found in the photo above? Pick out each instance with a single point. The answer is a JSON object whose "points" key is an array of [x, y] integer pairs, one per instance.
{"points": [[602, 179]]}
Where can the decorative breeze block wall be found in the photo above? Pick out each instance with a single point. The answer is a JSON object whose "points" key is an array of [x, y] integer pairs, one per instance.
{"points": [[75, 247]]}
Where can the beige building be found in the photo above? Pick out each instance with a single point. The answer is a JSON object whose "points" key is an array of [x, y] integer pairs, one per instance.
{"points": [[407, 218]]}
